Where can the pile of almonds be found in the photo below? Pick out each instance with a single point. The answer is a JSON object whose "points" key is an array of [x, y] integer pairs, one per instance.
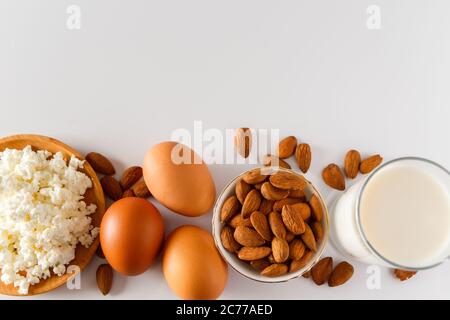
{"points": [[131, 184], [270, 224]]}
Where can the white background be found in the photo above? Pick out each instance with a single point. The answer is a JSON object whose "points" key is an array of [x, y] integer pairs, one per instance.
{"points": [[137, 70]]}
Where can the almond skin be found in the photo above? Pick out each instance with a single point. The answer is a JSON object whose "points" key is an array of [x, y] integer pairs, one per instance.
{"points": [[270, 192], [254, 176], [316, 206], [303, 209], [351, 163], [278, 205], [280, 250], [251, 203], [296, 249], [333, 177], [237, 221], [289, 236], [276, 225], [111, 187], [100, 163], [370, 163], [243, 141], [260, 265], [317, 229], [341, 274], [293, 220], [253, 253], [230, 207], [228, 241], [286, 147], [298, 194], [104, 278], [248, 237], [128, 194], [130, 177], [140, 190], [303, 156], [287, 181], [302, 262], [261, 225], [266, 206], [242, 189], [308, 238], [321, 272], [404, 275], [273, 161], [275, 270]]}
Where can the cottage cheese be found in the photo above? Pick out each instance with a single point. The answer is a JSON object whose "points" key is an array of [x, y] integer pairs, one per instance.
{"points": [[42, 215]]}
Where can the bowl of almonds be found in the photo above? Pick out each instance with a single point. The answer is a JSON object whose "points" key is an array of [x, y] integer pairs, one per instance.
{"points": [[270, 224]]}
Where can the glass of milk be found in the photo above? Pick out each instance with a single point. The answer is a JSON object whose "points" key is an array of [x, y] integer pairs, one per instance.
{"points": [[398, 216]]}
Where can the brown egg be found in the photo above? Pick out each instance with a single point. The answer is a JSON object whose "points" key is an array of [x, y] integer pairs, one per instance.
{"points": [[131, 234], [185, 187], [192, 266]]}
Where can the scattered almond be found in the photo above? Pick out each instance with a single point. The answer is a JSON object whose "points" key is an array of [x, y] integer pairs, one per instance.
{"points": [[251, 203], [273, 161], [275, 270], [307, 275], [293, 220], [277, 225], [341, 274], [241, 190], [287, 181], [254, 176], [404, 275], [303, 156], [243, 141], [111, 187], [140, 190], [280, 250], [317, 210], [100, 163], [228, 241], [351, 163], [333, 177], [296, 249], [248, 237], [321, 272], [286, 147], [130, 177], [309, 239], [259, 222], [370, 163], [270, 192], [230, 207], [104, 278], [253, 253]]}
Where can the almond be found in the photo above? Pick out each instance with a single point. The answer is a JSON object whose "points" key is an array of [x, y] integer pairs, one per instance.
{"points": [[287, 181], [99, 252], [293, 220], [303, 209], [278, 205], [370, 163], [296, 249], [228, 241], [130, 177], [140, 190], [248, 237], [308, 238], [286, 147], [100, 163], [230, 207], [280, 250], [276, 225], [243, 141], [333, 177], [251, 203], [273, 161], [104, 278], [254, 176], [259, 222], [275, 270], [260, 265], [351, 163], [253, 253], [270, 192], [237, 221], [317, 229], [111, 187], [128, 194], [298, 194], [404, 275], [341, 274], [289, 236], [316, 206], [242, 189], [307, 275], [302, 262], [321, 272], [258, 186], [266, 206], [303, 156]]}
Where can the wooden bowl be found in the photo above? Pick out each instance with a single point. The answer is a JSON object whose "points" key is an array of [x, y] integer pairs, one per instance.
{"points": [[93, 195]]}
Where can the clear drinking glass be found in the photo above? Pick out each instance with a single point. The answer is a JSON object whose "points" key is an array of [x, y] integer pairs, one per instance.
{"points": [[350, 235]]}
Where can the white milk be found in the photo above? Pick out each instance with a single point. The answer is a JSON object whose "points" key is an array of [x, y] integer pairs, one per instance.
{"points": [[404, 215]]}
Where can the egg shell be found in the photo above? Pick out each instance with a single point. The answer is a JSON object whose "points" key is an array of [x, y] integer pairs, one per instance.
{"points": [[131, 235], [186, 188], [192, 265]]}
